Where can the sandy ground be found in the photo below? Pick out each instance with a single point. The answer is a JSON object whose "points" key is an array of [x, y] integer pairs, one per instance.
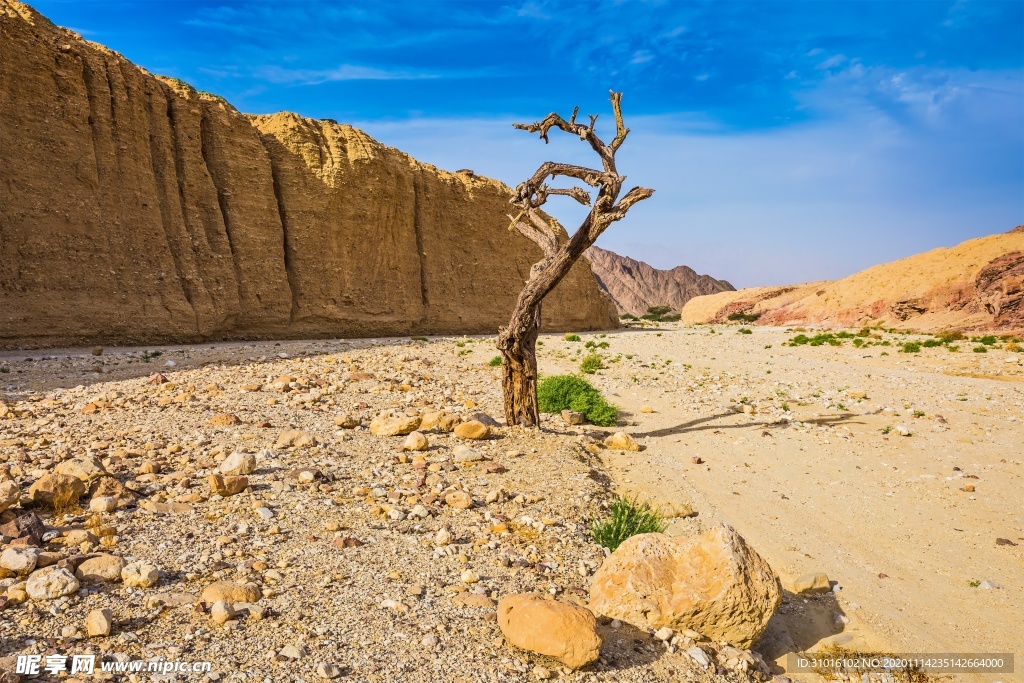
{"points": [[817, 476], [821, 488]]}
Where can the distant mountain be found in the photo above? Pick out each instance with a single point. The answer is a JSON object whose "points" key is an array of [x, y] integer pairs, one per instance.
{"points": [[976, 285], [635, 286]]}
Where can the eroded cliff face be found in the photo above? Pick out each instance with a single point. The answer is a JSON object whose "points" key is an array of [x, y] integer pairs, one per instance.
{"points": [[136, 209]]}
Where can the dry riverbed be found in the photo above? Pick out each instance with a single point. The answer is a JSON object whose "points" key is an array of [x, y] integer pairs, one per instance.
{"points": [[339, 528]]}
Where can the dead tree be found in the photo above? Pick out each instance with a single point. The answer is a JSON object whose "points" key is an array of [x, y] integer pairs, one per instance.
{"points": [[518, 341]]}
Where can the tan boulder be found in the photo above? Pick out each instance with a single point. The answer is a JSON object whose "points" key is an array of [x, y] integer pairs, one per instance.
{"points": [[107, 485], [9, 494], [227, 486], [296, 438], [140, 574], [560, 630], [621, 441], [384, 425], [225, 420], [474, 429], [713, 583], [416, 441], [346, 422], [85, 469], [62, 488], [100, 568], [460, 500], [99, 622], [812, 583], [431, 420], [238, 464], [230, 591]]}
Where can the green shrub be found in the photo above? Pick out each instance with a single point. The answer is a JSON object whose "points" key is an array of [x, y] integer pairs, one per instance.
{"points": [[953, 348], [744, 317], [744, 330], [950, 336], [572, 337], [568, 392], [627, 517], [930, 343], [591, 363], [980, 349], [987, 340], [494, 362], [912, 347]]}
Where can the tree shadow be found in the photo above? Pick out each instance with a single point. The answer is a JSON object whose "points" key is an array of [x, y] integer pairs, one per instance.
{"points": [[701, 424], [798, 625]]}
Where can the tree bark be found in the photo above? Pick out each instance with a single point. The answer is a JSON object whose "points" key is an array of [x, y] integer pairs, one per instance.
{"points": [[518, 349]]}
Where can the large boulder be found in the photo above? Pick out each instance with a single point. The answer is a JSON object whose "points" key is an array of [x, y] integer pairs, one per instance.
{"points": [[51, 488], [100, 568], [560, 630], [84, 468], [713, 583], [51, 583]]}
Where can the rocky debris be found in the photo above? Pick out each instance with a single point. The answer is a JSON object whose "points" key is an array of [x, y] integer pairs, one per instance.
{"points": [[100, 568], [227, 485], [51, 583], [388, 425], [140, 574], [10, 494], [472, 430], [561, 630], [99, 622], [713, 583], [63, 489], [416, 441], [810, 584], [621, 441], [238, 464]]}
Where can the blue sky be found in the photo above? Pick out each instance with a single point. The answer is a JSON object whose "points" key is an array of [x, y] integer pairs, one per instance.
{"points": [[787, 141]]}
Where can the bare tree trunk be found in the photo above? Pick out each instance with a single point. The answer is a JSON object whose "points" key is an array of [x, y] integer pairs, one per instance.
{"points": [[518, 346], [518, 341]]}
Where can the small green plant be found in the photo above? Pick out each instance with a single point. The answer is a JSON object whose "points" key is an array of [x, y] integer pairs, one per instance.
{"points": [[572, 337], [841, 406], [953, 348], [974, 584], [460, 344], [150, 355], [931, 343], [987, 340], [886, 429], [785, 407], [627, 517], [980, 349], [912, 347], [767, 346], [568, 392], [591, 363], [950, 336], [419, 339], [918, 413], [744, 330], [494, 362]]}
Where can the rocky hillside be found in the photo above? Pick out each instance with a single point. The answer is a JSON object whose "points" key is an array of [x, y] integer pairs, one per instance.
{"points": [[135, 209], [978, 284], [634, 286]]}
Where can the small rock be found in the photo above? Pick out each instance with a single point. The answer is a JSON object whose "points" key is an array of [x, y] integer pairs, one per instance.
{"points": [[84, 469], [621, 441], [646, 409], [542, 673], [222, 612], [62, 488], [346, 422], [416, 441], [20, 560], [698, 655], [473, 430], [989, 585], [430, 640], [9, 494], [328, 670], [99, 622], [293, 651], [562, 630], [664, 634], [103, 504], [810, 584], [227, 485], [295, 438], [466, 454], [571, 417], [231, 592], [224, 420], [384, 425], [442, 538], [140, 575], [238, 464], [460, 500], [51, 583], [266, 514], [470, 576], [100, 569]]}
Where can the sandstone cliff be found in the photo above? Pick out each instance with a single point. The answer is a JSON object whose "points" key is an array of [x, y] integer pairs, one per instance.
{"points": [[135, 209], [635, 286], [978, 284]]}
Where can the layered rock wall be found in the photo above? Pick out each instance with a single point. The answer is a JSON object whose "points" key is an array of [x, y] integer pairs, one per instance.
{"points": [[135, 209]]}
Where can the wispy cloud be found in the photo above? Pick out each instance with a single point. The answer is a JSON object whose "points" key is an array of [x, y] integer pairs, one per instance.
{"points": [[342, 72]]}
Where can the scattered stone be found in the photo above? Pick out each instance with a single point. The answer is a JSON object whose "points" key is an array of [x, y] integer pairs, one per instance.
{"points": [[664, 634], [810, 584], [713, 583], [225, 420], [473, 430], [384, 425], [698, 655], [84, 469], [560, 630], [442, 538], [140, 575], [346, 422], [20, 560], [227, 486], [103, 504], [99, 622], [62, 488], [328, 670], [460, 500], [294, 438], [621, 441], [646, 409], [416, 441], [231, 592], [10, 494], [238, 464], [221, 612], [571, 417], [27, 527], [466, 454], [51, 583], [101, 568]]}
